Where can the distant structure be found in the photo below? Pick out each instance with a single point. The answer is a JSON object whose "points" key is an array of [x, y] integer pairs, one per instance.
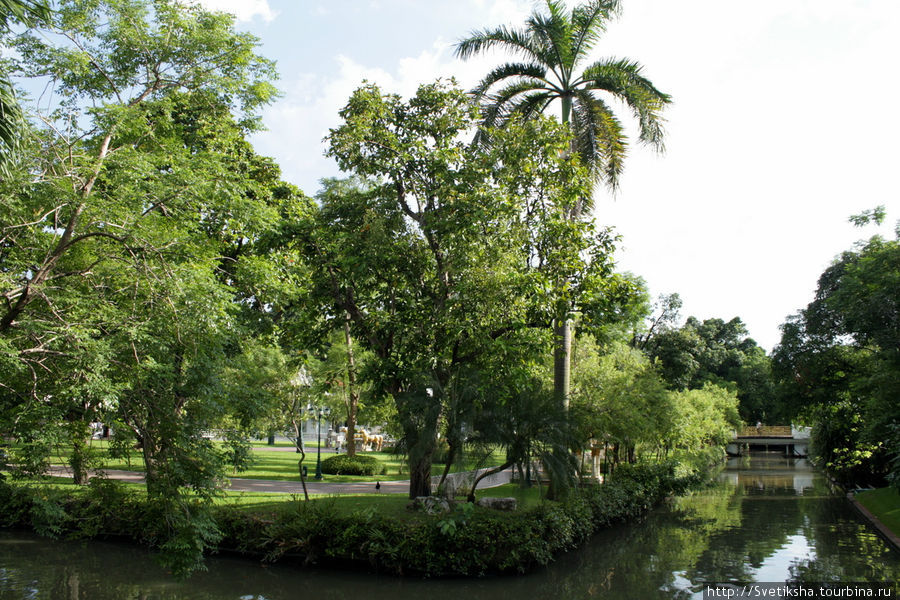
{"points": [[794, 441]]}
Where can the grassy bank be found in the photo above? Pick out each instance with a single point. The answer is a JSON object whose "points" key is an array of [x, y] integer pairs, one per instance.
{"points": [[884, 503], [374, 532]]}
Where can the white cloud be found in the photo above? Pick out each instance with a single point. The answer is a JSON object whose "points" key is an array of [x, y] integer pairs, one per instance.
{"points": [[309, 108], [244, 10]]}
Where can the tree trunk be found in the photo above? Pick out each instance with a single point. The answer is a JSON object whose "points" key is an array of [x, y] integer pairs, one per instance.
{"points": [[352, 391], [451, 458], [562, 352], [420, 476], [78, 460], [151, 472], [302, 452], [488, 473]]}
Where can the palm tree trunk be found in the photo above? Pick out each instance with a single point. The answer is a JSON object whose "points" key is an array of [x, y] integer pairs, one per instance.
{"points": [[562, 332], [562, 361]]}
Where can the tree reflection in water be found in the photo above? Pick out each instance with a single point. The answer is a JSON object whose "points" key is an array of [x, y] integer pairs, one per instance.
{"points": [[765, 519]]}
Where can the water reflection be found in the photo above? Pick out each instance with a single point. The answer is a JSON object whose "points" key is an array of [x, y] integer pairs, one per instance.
{"points": [[766, 519]]}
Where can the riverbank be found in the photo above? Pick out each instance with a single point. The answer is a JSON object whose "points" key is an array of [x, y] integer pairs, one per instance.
{"points": [[882, 508], [467, 541]]}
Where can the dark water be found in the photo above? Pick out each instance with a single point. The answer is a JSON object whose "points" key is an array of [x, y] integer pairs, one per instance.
{"points": [[766, 519]]}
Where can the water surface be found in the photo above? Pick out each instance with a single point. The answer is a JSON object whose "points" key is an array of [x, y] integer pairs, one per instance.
{"points": [[766, 519]]}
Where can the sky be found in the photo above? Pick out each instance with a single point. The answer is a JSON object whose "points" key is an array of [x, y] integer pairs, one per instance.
{"points": [[782, 126]]}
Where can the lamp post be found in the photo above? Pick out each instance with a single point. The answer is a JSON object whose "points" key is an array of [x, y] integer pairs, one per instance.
{"points": [[317, 412]]}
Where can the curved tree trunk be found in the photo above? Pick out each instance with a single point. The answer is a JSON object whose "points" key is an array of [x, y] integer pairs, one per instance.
{"points": [[488, 473]]}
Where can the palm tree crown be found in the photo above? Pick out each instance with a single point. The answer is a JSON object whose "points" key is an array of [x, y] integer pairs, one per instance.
{"points": [[552, 47]]}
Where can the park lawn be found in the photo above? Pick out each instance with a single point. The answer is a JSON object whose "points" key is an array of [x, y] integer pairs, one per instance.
{"points": [[884, 503], [392, 506], [278, 465], [387, 505], [282, 466], [527, 497]]}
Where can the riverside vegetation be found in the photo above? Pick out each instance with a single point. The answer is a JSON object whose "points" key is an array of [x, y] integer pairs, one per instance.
{"points": [[159, 276], [469, 540]]}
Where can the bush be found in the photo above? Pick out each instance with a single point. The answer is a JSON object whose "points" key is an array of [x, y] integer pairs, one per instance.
{"points": [[342, 464]]}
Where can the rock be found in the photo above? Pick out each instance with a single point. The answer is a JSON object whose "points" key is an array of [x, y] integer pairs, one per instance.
{"points": [[498, 503], [432, 505]]}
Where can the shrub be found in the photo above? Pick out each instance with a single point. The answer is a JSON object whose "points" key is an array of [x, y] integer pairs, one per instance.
{"points": [[342, 464]]}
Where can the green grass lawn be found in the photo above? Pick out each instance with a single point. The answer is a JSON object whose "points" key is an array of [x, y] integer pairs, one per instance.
{"points": [[278, 465], [884, 503], [388, 505]]}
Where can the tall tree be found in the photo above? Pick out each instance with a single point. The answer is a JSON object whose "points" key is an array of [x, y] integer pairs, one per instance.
{"points": [[838, 362], [555, 47], [433, 260], [125, 267]]}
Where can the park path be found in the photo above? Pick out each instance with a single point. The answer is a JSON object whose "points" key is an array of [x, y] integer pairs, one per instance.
{"points": [[240, 484]]}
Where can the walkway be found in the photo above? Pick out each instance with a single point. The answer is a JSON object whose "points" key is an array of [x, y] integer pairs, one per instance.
{"points": [[239, 484]]}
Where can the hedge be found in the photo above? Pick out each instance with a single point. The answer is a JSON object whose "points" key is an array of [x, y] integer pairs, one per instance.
{"points": [[344, 464]]}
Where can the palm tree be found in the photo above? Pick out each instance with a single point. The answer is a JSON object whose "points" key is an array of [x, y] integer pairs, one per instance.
{"points": [[28, 12], [554, 47]]}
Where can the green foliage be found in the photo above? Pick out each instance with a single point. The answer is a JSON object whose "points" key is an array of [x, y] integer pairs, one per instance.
{"points": [[343, 464], [12, 124], [457, 519], [446, 256], [191, 532], [181, 532], [838, 362], [838, 443], [708, 416], [893, 444], [718, 352], [470, 541], [618, 397]]}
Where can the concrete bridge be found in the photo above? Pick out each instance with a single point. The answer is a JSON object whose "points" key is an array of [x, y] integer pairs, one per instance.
{"points": [[793, 441]]}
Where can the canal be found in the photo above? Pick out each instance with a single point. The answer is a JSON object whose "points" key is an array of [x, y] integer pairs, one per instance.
{"points": [[766, 519]]}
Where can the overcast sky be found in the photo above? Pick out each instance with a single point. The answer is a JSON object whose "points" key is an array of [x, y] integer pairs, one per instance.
{"points": [[783, 125]]}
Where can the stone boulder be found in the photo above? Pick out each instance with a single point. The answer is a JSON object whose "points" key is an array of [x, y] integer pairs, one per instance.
{"points": [[432, 505], [498, 503]]}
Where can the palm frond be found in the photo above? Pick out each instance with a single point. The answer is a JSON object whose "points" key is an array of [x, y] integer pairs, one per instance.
{"points": [[529, 106], [519, 42], [10, 123], [623, 79], [589, 22], [497, 115], [27, 12], [532, 71], [599, 137], [554, 31], [507, 94]]}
